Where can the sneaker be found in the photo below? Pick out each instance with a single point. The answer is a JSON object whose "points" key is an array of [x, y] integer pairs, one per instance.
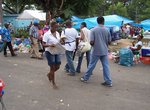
{"points": [[40, 58], [106, 84], [67, 71], [83, 80], [14, 55], [78, 71], [33, 57], [71, 74]]}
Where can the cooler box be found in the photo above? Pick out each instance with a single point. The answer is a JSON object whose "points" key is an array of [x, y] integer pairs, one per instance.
{"points": [[145, 60], [145, 51]]}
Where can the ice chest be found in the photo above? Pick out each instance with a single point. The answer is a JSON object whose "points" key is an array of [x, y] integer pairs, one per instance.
{"points": [[145, 60], [145, 51]]}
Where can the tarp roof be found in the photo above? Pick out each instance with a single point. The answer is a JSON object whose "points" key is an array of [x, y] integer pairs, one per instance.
{"points": [[76, 19], [114, 20], [146, 24], [32, 14]]}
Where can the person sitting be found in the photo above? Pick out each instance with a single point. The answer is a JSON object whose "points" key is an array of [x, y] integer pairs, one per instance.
{"points": [[137, 45]]}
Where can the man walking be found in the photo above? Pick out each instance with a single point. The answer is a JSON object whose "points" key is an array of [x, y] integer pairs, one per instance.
{"points": [[34, 35], [71, 42], [6, 37], [84, 37], [99, 39]]}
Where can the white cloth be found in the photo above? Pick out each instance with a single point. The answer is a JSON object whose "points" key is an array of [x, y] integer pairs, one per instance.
{"points": [[49, 39], [58, 49], [70, 38]]}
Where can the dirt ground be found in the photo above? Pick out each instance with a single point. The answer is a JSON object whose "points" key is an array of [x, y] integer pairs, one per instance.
{"points": [[116, 45]]}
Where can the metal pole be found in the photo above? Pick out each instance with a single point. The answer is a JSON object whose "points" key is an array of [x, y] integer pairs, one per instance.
{"points": [[1, 13]]}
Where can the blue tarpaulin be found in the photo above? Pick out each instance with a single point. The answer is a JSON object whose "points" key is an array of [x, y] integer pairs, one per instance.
{"points": [[115, 20], [146, 24], [76, 19]]}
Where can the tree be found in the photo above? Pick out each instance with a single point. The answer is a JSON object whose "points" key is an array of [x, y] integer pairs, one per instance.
{"points": [[139, 10], [146, 12], [52, 8], [118, 8], [67, 8], [16, 6], [134, 9]]}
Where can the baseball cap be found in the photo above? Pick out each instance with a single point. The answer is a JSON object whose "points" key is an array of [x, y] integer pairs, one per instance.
{"points": [[35, 22]]}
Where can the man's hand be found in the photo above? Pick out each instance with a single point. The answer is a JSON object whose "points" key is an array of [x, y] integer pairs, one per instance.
{"points": [[52, 45], [92, 43], [62, 41], [32, 43]]}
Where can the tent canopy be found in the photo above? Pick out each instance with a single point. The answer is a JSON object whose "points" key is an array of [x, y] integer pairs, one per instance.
{"points": [[113, 20], [76, 19], [146, 24], [32, 14], [124, 20]]}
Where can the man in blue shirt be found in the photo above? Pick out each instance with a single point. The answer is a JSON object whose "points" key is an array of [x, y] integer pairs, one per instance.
{"points": [[6, 37], [34, 36], [99, 39]]}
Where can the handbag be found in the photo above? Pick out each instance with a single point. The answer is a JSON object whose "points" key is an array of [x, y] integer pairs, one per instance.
{"points": [[84, 47]]}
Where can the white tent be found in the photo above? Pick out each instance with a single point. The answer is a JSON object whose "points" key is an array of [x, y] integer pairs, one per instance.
{"points": [[32, 14]]}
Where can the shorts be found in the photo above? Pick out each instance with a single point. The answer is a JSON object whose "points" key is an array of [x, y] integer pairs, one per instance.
{"points": [[52, 59]]}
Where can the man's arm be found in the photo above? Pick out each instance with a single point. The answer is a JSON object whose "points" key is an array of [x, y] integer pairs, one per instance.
{"points": [[109, 38], [82, 35], [92, 38]]}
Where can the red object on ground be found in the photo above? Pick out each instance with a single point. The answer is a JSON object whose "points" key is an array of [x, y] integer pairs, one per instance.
{"points": [[1, 85], [145, 60]]}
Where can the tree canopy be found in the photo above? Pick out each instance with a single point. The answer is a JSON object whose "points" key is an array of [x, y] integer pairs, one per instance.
{"points": [[134, 9]]}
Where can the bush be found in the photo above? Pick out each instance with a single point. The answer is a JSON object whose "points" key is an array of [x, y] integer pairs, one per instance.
{"points": [[20, 33]]}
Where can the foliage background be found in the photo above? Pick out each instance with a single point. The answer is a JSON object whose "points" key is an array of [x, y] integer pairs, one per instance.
{"points": [[137, 10]]}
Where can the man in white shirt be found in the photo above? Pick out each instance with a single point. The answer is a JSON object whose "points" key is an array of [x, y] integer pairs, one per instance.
{"points": [[70, 39], [84, 37]]}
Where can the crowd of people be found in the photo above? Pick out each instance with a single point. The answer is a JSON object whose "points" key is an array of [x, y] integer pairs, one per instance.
{"points": [[129, 31], [46, 38], [99, 37]]}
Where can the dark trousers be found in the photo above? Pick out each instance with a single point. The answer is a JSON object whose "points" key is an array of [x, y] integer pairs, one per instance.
{"points": [[9, 45]]}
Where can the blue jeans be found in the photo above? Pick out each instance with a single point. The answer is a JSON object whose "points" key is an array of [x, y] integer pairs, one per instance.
{"points": [[69, 66], [105, 64], [80, 60]]}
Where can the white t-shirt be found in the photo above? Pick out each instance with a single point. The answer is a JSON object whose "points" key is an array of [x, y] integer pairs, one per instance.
{"points": [[137, 44], [70, 38], [50, 39]]}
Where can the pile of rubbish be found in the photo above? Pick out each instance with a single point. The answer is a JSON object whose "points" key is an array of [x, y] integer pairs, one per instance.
{"points": [[22, 45]]}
